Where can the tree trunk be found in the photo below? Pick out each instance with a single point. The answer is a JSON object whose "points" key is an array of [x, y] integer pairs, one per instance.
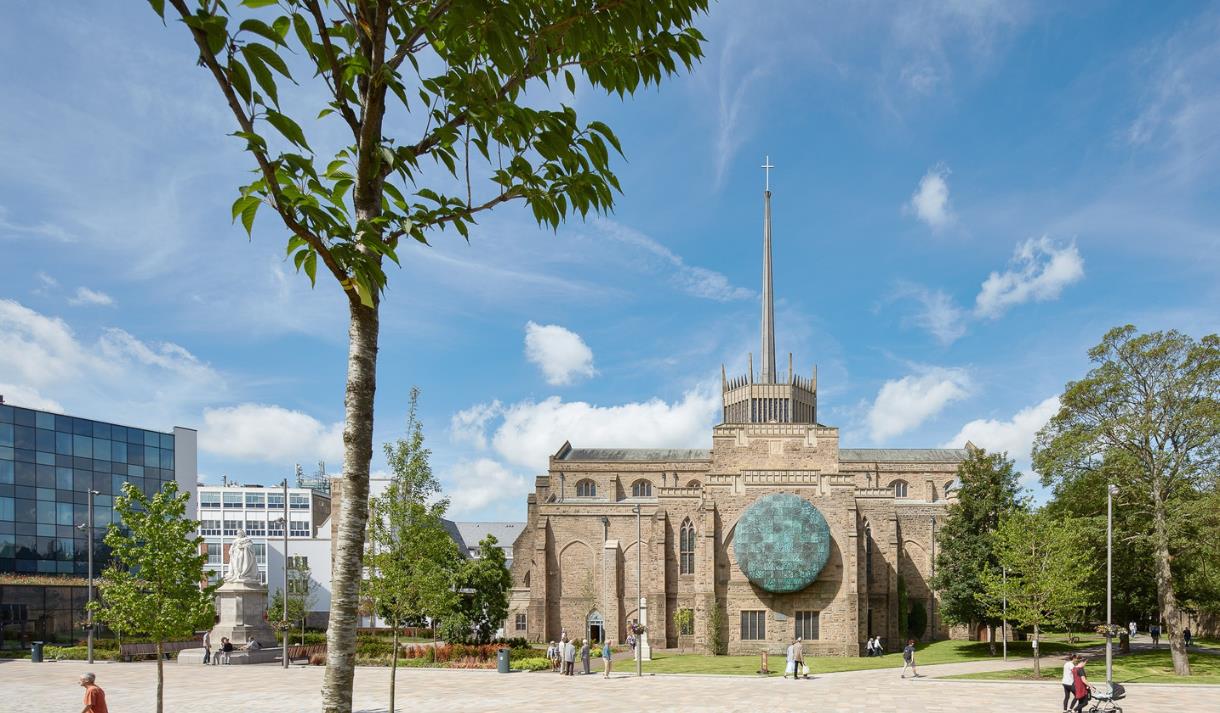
{"points": [[160, 675], [1037, 657], [1164, 587], [393, 667], [991, 639], [354, 509]]}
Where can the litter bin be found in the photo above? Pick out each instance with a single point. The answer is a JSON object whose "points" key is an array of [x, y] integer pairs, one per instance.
{"points": [[502, 660], [35, 652]]}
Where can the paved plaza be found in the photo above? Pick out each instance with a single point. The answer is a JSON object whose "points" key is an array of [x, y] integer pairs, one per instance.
{"points": [[269, 689]]}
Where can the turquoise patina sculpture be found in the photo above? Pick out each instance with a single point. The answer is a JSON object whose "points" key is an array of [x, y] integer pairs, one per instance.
{"points": [[782, 543]]}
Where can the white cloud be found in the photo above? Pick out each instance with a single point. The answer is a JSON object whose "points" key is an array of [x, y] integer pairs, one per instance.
{"points": [[269, 433], [29, 398], [1038, 272], [691, 279], [930, 201], [560, 353], [1014, 436], [469, 426], [937, 313], [903, 404], [529, 432], [474, 486], [86, 296]]}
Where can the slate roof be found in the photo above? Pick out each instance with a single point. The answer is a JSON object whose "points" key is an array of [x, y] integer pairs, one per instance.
{"points": [[903, 455], [470, 534], [636, 454]]}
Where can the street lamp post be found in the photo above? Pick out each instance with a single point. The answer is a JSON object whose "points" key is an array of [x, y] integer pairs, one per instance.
{"points": [[1004, 615], [931, 591], [88, 528], [639, 595], [1111, 491], [285, 652]]}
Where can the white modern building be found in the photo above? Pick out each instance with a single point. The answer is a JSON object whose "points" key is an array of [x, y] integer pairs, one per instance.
{"points": [[260, 511]]}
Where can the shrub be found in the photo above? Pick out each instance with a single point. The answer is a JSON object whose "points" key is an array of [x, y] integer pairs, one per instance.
{"points": [[533, 664], [471, 662]]}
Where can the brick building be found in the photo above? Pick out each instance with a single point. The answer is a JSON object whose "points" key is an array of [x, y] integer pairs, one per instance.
{"points": [[774, 532]]}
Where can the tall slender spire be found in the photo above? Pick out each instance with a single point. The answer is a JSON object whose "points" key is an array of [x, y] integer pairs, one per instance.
{"points": [[767, 375]]}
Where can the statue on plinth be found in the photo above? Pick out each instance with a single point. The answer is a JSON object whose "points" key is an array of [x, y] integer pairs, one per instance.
{"points": [[243, 567]]}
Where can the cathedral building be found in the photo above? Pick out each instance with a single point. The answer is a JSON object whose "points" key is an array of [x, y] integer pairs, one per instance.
{"points": [[772, 533]]}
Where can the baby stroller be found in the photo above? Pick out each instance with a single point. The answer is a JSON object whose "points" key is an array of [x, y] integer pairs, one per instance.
{"points": [[1104, 698]]}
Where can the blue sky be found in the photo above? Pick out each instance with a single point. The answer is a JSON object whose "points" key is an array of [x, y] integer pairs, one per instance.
{"points": [[966, 197]]}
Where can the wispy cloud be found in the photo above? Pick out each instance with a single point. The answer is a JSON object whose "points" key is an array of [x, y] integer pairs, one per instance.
{"points": [[86, 296], [691, 279], [13, 230], [1038, 272], [936, 312]]}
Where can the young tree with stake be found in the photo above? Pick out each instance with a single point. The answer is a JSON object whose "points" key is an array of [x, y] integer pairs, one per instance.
{"points": [[464, 68]]}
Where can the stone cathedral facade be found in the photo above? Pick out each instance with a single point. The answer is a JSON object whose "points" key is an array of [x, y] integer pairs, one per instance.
{"points": [[774, 532]]}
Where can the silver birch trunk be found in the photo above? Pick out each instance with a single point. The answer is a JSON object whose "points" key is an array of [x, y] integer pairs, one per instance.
{"points": [[353, 511]]}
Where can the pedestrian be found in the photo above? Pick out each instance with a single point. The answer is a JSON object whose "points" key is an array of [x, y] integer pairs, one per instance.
{"points": [[631, 643], [207, 647], [908, 660], [584, 657], [1132, 627], [569, 659], [798, 656], [871, 648], [606, 654], [95, 697], [1069, 681], [879, 647], [1155, 632], [550, 656], [226, 650], [789, 660], [1186, 635], [1080, 685]]}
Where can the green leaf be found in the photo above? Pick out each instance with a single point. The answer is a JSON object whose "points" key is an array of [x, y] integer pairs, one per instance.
{"points": [[247, 216], [269, 56], [240, 79], [289, 128], [311, 267], [280, 26], [261, 75], [158, 7], [261, 29], [571, 81], [258, 3]]}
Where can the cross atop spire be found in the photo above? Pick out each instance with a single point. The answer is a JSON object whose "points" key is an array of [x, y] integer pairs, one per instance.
{"points": [[767, 372], [767, 173]]}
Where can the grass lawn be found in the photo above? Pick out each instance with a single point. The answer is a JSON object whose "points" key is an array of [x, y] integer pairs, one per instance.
{"points": [[938, 652], [1136, 667]]}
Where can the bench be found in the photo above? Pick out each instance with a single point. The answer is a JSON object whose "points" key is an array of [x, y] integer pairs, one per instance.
{"points": [[305, 652], [127, 652]]}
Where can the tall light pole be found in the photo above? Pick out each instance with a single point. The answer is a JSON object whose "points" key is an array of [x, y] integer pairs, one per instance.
{"points": [[931, 591], [639, 589], [285, 656], [88, 528], [1004, 615], [1111, 491]]}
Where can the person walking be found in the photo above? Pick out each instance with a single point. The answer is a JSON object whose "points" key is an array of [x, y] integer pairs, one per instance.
{"points": [[1080, 685], [798, 657], [584, 657], [607, 652], [569, 658], [879, 647], [788, 661], [95, 697], [207, 647], [908, 660], [1155, 632], [631, 643], [550, 656], [1186, 636], [1069, 681], [1132, 628]]}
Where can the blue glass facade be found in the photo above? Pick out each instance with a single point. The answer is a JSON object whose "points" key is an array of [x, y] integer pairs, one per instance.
{"points": [[48, 463]]}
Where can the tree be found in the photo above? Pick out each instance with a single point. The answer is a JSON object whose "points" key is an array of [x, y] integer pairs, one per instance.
{"points": [[412, 561], [302, 595], [485, 581], [469, 72], [988, 491], [1047, 569], [152, 586], [1147, 418]]}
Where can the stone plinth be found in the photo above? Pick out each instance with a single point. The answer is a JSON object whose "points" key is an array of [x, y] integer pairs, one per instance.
{"points": [[645, 649], [243, 615]]}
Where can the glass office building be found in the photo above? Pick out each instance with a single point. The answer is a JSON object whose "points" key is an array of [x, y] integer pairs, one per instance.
{"points": [[48, 464]]}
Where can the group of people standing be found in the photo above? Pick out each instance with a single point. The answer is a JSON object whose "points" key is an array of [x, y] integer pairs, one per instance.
{"points": [[563, 654]]}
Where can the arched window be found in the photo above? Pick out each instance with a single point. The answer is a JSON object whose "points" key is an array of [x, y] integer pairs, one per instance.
{"points": [[641, 489], [868, 552], [694, 484], [586, 488], [900, 488], [686, 548]]}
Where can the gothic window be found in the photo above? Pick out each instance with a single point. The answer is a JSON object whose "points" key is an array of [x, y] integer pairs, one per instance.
{"points": [[520, 621], [868, 552], [807, 625], [753, 625], [900, 488], [586, 489], [686, 548], [641, 489]]}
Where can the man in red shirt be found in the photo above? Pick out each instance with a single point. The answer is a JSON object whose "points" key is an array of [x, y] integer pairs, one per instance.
{"points": [[95, 697]]}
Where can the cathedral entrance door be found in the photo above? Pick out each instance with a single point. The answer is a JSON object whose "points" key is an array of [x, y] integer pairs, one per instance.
{"points": [[596, 627]]}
